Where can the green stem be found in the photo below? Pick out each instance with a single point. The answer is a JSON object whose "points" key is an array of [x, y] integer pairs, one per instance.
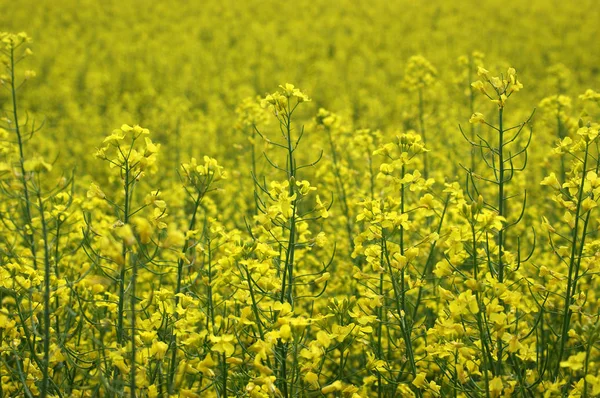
{"points": [[224, 371], [1, 339], [500, 195], [255, 305], [570, 279], [403, 327], [124, 255], [422, 132], [429, 261], [122, 274], [253, 161], [561, 135], [31, 241], [46, 361], [380, 318], [288, 270], [591, 343], [209, 295], [501, 214], [342, 192], [480, 309], [133, 298], [172, 365], [472, 110]]}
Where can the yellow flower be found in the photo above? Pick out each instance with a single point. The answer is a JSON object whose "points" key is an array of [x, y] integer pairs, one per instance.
{"points": [[589, 133], [223, 344], [125, 232], [419, 380], [590, 95], [419, 73], [37, 164], [333, 387], [323, 212], [496, 387], [574, 362], [482, 72], [588, 204], [29, 74], [311, 378], [323, 339], [151, 148], [290, 91], [304, 187], [206, 365], [479, 86], [551, 181], [501, 101], [285, 332], [477, 118], [114, 138], [323, 278], [95, 192], [159, 349]]}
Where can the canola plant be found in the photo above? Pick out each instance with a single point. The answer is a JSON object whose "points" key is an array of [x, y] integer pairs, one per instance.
{"points": [[414, 215]]}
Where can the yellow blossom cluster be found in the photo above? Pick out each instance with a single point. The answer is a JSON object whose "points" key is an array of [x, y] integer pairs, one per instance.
{"points": [[411, 218]]}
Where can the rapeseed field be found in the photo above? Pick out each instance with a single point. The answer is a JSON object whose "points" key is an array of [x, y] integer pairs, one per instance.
{"points": [[299, 199]]}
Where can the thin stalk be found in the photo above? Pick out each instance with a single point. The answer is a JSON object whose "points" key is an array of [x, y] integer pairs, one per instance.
{"points": [[1, 339], [122, 274], [402, 207], [124, 254], [371, 177], [380, 317], [400, 296], [428, 262], [342, 191], [282, 348], [479, 320], [588, 352], [422, 132], [253, 152], [501, 214], [255, 306], [224, 371], [46, 361], [561, 135], [403, 327], [210, 321], [132, 381], [253, 162], [472, 110], [31, 241], [500, 194], [171, 372], [288, 270], [582, 244], [570, 279]]}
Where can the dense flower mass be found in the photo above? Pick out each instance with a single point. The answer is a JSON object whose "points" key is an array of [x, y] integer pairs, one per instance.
{"points": [[413, 217]]}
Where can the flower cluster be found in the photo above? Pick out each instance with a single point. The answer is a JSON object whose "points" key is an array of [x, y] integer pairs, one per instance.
{"points": [[362, 243]]}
